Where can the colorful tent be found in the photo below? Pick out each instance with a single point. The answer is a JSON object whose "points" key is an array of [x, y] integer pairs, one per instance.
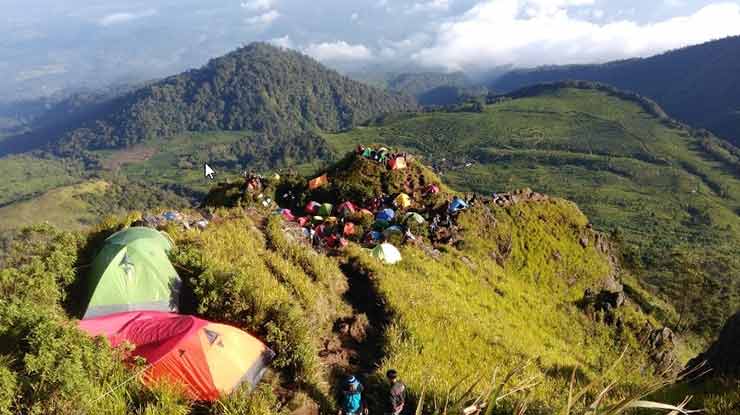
{"points": [[208, 359], [386, 253], [132, 272], [397, 163], [457, 205], [386, 215], [303, 220], [374, 236], [312, 207], [367, 212], [392, 230], [325, 209], [402, 201], [381, 224], [346, 208], [413, 217], [431, 189], [318, 182], [349, 229], [287, 215]]}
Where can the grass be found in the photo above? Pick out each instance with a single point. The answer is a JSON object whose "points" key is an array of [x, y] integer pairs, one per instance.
{"points": [[61, 206], [673, 203], [27, 176]]}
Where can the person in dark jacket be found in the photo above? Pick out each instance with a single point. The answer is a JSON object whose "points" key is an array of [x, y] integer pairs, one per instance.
{"points": [[397, 394]]}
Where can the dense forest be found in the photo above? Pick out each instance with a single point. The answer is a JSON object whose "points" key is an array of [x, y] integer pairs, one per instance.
{"points": [[697, 84]]}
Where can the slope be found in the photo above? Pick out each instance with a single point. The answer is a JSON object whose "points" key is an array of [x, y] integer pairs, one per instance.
{"points": [[672, 197], [698, 84], [258, 87], [507, 291]]}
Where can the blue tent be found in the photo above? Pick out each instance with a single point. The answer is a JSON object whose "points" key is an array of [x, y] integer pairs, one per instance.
{"points": [[374, 236], [386, 215], [457, 205]]}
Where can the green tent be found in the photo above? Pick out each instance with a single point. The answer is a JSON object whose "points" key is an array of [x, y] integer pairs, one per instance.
{"points": [[326, 209], [132, 272]]}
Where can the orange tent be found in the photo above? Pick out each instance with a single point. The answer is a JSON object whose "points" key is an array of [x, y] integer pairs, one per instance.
{"points": [[208, 359], [349, 229], [397, 163], [318, 182]]}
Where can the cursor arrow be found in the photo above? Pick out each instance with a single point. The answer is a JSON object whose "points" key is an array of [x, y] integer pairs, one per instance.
{"points": [[208, 171]]}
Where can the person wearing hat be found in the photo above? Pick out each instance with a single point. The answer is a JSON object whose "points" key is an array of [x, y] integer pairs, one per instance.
{"points": [[352, 402]]}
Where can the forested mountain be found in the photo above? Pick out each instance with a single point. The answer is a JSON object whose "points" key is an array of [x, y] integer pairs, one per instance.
{"points": [[697, 84], [258, 87]]}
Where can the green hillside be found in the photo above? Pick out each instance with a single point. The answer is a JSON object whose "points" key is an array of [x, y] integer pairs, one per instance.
{"points": [[671, 196], [696, 84], [505, 297]]}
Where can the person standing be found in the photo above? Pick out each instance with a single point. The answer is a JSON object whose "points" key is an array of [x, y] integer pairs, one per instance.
{"points": [[397, 394], [352, 402]]}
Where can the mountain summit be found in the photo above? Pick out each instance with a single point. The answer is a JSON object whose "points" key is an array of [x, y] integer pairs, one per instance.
{"points": [[258, 87]]}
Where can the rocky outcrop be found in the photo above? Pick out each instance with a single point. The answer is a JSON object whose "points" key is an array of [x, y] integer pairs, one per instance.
{"points": [[723, 356], [661, 343]]}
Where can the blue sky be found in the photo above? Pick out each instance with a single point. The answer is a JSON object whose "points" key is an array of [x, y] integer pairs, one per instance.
{"points": [[63, 43]]}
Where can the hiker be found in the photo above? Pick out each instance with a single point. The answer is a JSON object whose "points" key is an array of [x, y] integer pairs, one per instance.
{"points": [[397, 394], [351, 399]]}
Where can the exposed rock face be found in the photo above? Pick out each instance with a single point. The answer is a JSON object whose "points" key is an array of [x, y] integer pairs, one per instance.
{"points": [[661, 345], [723, 356]]}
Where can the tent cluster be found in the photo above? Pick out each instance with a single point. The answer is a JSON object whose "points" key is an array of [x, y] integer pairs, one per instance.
{"points": [[134, 298], [395, 161], [378, 224]]}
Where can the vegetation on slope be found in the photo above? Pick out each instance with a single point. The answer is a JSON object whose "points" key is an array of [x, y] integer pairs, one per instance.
{"points": [[670, 194], [697, 84], [507, 292], [258, 87]]}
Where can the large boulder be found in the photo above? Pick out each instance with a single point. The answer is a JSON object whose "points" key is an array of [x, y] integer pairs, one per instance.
{"points": [[723, 356]]}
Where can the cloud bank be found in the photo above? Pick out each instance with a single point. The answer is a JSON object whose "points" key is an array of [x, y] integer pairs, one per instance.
{"points": [[537, 32], [338, 52], [117, 18]]}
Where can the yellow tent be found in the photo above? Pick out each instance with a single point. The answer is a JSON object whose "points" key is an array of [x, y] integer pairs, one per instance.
{"points": [[318, 182], [403, 200]]}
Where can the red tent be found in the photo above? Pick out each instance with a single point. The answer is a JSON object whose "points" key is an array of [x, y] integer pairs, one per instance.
{"points": [[312, 207], [287, 215], [432, 189], [208, 359], [349, 229], [346, 208], [304, 220]]}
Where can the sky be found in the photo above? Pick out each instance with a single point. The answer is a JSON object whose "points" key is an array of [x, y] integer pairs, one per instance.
{"points": [[50, 45]]}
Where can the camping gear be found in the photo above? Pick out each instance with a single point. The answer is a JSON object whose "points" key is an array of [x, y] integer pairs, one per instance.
{"points": [[457, 205], [374, 236], [172, 216], [366, 212], [386, 215], [349, 229], [318, 182], [367, 152], [397, 163], [133, 272], [210, 360], [317, 219], [201, 224], [392, 230], [413, 217], [346, 209], [303, 220], [325, 209], [402, 201], [312, 207], [287, 215], [387, 253]]}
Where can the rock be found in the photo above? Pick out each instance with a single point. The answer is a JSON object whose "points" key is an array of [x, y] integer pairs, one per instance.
{"points": [[723, 356], [661, 348], [583, 241]]}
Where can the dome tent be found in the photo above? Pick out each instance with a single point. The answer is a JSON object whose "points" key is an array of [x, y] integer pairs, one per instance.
{"points": [[386, 253], [133, 272], [210, 360]]}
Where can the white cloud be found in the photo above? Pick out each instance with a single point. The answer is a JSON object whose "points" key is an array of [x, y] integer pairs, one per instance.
{"points": [[535, 32], [674, 3], [116, 18], [429, 6], [339, 51], [354, 17], [283, 42], [263, 19], [257, 5], [597, 13]]}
